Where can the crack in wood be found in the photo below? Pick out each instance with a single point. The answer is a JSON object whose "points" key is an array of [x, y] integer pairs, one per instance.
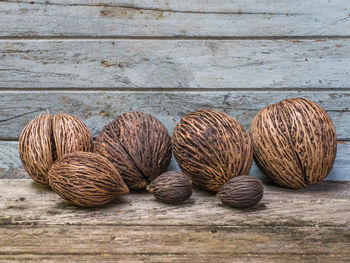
{"points": [[140, 8], [23, 114]]}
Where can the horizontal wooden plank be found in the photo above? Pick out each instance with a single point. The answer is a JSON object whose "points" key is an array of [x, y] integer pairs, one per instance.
{"points": [[174, 18], [98, 108], [193, 240], [24, 202], [173, 257], [291, 63], [11, 167]]}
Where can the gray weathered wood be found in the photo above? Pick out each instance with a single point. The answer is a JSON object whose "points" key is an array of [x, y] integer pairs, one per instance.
{"points": [[317, 63], [98, 108], [11, 167], [97, 59], [174, 18], [192, 240], [24, 202]]}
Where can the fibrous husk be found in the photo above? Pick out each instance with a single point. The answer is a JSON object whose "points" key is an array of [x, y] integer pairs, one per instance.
{"points": [[138, 145], [47, 138], [171, 187], [86, 179], [211, 147], [294, 142], [241, 192]]}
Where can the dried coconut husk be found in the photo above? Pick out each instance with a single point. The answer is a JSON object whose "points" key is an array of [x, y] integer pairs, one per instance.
{"points": [[36, 148], [47, 138], [138, 145], [211, 147], [86, 179], [294, 142]]}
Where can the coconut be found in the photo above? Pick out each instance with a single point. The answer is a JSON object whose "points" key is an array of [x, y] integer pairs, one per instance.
{"points": [[294, 142], [86, 179], [138, 145], [47, 138], [211, 147]]}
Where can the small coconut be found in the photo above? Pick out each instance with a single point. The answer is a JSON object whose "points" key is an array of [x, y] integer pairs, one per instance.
{"points": [[86, 179], [171, 187], [47, 138], [138, 145], [241, 192]]}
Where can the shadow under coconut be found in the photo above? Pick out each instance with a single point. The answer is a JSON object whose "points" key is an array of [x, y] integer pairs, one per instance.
{"points": [[257, 208], [203, 192], [324, 186], [67, 205], [188, 203], [41, 188]]}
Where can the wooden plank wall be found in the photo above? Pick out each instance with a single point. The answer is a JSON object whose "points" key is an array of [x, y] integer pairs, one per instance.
{"points": [[97, 59]]}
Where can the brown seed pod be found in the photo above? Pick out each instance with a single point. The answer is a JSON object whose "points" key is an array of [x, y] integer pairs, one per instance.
{"points": [[171, 187], [211, 147], [294, 142], [86, 179], [241, 192], [47, 138], [138, 145]]}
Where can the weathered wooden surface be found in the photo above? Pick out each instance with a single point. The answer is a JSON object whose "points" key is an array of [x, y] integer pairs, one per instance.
{"points": [[308, 225], [291, 63], [97, 59], [174, 257], [11, 167], [173, 239], [174, 18], [24, 202], [98, 108]]}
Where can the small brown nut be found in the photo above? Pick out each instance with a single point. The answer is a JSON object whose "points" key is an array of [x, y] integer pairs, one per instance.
{"points": [[171, 187], [241, 192], [294, 142], [138, 145], [47, 138], [211, 147], [86, 179]]}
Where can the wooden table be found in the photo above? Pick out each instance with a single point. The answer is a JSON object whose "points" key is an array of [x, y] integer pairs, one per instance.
{"points": [[98, 59], [310, 225]]}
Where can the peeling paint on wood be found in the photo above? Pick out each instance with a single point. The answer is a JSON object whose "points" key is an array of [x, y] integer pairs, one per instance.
{"points": [[98, 59], [175, 64], [97, 108], [174, 18]]}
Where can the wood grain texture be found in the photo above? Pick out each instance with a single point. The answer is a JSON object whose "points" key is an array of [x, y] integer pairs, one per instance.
{"points": [[290, 63], [175, 257], [193, 240], [174, 18], [98, 108], [24, 202], [98, 59]]}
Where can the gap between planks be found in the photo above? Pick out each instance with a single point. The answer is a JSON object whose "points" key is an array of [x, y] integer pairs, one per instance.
{"points": [[96, 38], [173, 90]]}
